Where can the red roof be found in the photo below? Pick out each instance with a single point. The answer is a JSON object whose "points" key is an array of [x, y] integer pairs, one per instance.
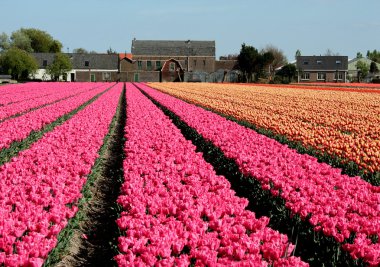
{"points": [[125, 55]]}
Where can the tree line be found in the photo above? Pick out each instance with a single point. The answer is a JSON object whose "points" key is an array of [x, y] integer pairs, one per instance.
{"points": [[17, 61]]}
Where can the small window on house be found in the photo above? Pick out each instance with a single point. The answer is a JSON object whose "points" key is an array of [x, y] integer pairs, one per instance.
{"points": [[139, 65], [321, 76], [305, 76], [338, 62], [158, 64], [44, 63], [204, 62], [319, 62], [172, 66], [87, 63], [149, 65], [195, 62], [306, 62]]}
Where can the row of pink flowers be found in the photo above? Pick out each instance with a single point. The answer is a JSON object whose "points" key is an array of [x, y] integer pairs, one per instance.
{"points": [[39, 95], [41, 186], [177, 211], [13, 93], [18, 128], [338, 205]]}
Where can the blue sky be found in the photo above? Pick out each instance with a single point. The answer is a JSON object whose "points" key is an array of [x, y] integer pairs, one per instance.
{"points": [[313, 26]]}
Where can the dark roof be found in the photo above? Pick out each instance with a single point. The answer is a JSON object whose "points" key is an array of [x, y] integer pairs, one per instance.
{"points": [[322, 63], [95, 61], [173, 48]]}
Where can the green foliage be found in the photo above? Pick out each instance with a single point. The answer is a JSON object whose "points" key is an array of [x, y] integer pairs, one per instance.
{"points": [[373, 67], [5, 43], [60, 65], [362, 68], [287, 73], [30, 40], [359, 55], [18, 63], [252, 63], [247, 61], [374, 55], [21, 40], [80, 51]]}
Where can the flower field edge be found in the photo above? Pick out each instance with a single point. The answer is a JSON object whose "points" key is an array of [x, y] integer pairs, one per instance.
{"points": [[345, 243], [15, 147], [78, 228], [321, 249], [350, 168]]}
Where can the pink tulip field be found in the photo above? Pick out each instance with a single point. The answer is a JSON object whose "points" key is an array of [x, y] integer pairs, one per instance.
{"points": [[194, 188], [42, 184]]}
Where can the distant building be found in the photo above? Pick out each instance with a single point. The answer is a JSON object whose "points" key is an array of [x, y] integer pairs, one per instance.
{"points": [[353, 70], [150, 61], [85, 67], [322, 68], [173, 61]]}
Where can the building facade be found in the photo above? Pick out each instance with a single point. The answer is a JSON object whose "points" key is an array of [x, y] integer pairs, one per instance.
{"points": [[322, 68], [150, 61], [85, 67]]}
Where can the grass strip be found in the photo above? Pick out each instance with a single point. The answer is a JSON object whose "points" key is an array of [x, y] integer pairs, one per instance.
{"points": [[7, 154], [90, 237], [313, 247]]}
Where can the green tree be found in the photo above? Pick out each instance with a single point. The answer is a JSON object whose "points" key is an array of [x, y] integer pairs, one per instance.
{"points": [[374, 55], [21, 40], [363, 70], [59, 66], [359, 55], [5, 43], [373, 68], [18, 63], [80, 50], [34, 40], [287, 73], [247, 61]]}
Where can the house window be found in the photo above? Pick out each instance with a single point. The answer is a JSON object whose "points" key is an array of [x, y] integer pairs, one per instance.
{"points": [[139, 65], [195, 62], [106, 76], [338, 62], [306, 62], [204, 62], [338, 76], [319, 62], [87, 63], [172, 66], [305, 76], [44, 63], [92, 77], [321, 76], [158, 64], [149, 65]]}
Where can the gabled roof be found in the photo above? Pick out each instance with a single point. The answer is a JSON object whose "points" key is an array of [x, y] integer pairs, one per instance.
{"points": [[173, 48], [78, 61], [322, 63]]}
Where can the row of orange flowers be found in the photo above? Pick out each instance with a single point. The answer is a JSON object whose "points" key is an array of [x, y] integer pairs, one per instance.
{"points": [[341, 123]]}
